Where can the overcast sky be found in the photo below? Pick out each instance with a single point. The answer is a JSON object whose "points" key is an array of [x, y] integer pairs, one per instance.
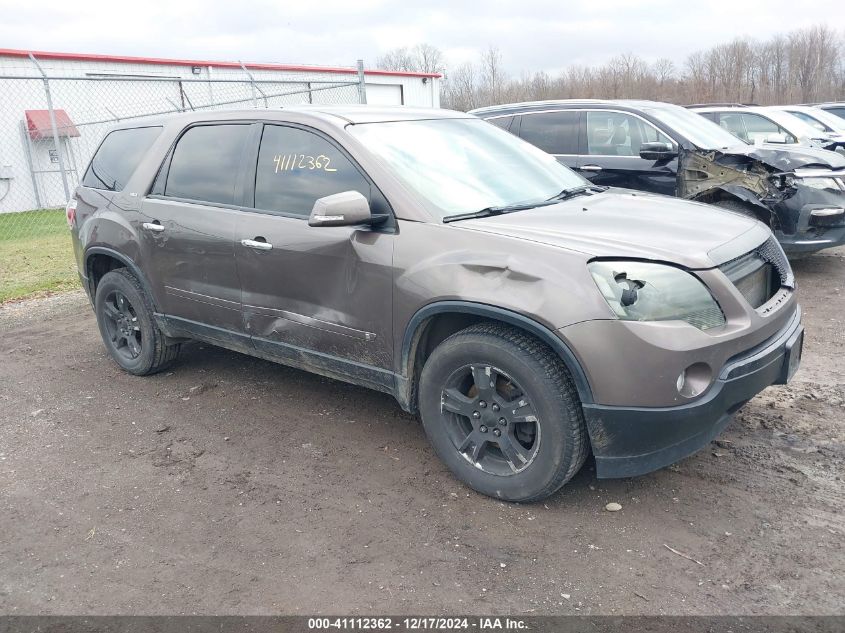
{"points": [[531, 34]]}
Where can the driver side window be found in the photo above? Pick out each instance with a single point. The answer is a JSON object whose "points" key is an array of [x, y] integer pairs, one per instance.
{"points": [[296, 167], [619, 134]]}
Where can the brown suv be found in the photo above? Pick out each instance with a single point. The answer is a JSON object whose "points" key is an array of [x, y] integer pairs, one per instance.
{"points": [[527, 315]]}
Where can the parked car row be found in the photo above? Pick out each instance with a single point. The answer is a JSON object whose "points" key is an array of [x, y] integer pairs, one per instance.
{"points": [[722, 155], [791, 125], [529, 316]]}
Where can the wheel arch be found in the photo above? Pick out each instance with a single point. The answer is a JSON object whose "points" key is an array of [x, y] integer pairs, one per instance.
{"points": [[436, 321], [99, 260], [739, 194]]}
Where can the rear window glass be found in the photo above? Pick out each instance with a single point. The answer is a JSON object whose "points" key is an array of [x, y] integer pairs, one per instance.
{"points": [[206, 162], [118, 157]]}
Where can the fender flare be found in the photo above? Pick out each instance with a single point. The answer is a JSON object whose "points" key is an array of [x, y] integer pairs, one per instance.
{"points": [[124, 259], [414, 329]]}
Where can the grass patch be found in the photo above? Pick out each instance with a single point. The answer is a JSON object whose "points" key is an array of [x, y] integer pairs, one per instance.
{"points": [[36, 254]]}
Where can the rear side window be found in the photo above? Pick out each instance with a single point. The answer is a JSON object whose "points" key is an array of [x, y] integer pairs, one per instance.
{"points": [[840, 112], [118, 157], [552, 132], [206, 163], [296, 167]]}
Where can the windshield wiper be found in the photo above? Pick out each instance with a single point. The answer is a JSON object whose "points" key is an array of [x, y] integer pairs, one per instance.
{"points": [[571, 192], [488, 211]]}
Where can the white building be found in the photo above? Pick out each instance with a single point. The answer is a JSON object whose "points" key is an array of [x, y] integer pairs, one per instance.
{"points": [[91, 92]]}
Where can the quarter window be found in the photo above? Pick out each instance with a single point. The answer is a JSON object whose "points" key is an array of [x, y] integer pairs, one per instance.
{"points": [[205, 163], [619, 134], [296, 167], [503, 122], [552, 132], [119, 155]]}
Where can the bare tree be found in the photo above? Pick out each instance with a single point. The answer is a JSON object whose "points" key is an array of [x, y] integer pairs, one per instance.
{"points": [[428, 59], [397, 59], [460, 88], [801, 66], [492, 74]]}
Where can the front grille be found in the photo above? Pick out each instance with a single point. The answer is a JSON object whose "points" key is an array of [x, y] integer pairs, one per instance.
{"points": [[771, 251], [759, 274]]}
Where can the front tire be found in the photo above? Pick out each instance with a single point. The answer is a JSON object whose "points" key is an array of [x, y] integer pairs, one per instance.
{"points": [[502, 413], [125, 318]]}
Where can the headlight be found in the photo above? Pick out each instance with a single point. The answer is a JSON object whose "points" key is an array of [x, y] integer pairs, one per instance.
{"points": [[820, 183], [640, 291]]}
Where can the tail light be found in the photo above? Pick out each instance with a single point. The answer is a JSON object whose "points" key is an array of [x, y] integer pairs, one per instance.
{"points": [[70, 213]]}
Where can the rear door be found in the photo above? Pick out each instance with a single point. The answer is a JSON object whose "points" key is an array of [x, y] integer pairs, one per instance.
{"points": [[314, 295], [553, 132], [612, 153], [188, 229]]}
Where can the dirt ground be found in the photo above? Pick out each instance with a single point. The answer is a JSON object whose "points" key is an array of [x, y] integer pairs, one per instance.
{"points": [[234, 486]]}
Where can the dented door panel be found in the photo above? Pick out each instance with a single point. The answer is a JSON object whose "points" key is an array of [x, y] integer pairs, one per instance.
{"points": [[326, 289]]}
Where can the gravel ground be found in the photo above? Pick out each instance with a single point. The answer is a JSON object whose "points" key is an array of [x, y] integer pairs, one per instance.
{"points": [[234, 486]]}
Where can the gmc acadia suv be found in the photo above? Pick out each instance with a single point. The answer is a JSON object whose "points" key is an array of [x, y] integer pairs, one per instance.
{"points": [[527, 315]]}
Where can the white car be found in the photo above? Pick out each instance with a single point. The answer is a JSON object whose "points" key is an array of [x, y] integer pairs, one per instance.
{"points": [[758, 124], [820, 119]]}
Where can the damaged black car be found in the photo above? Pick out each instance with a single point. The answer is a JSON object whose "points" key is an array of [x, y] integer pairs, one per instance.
{"points": [[662, 148]]}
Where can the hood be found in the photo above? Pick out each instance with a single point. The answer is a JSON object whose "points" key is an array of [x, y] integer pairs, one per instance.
{"points": [[633, 225], [789, 158]]}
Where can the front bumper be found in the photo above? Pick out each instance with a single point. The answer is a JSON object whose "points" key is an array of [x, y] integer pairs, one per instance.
{"points": [[816, 221], [630, 441]]}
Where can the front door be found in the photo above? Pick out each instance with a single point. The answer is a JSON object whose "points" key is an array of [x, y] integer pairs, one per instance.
{"points": [[317, 297], [187, 230], [612, 154]]}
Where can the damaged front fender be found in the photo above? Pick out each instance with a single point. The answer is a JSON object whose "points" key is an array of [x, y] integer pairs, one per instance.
{"points": [[706, 176]]}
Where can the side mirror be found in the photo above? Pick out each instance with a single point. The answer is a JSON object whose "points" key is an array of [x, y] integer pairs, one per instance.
{"points": [[776, 138], [348, 208], [657, 151]]}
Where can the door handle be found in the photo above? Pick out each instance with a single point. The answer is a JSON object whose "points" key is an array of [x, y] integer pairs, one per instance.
{"points": [[257, 244], [589, 168], [153, 226]]}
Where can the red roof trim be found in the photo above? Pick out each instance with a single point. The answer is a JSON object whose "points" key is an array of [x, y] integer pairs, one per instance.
{"points": [[122, 59], [40, 126]]}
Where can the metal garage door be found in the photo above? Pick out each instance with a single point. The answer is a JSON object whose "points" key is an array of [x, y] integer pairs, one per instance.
{"points": [[384, 94]]}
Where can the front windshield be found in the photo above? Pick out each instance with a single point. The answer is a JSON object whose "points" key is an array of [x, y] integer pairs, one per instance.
{"points": [[465, 165], [809, 120], [701, 132], [833, 122], [792, 124]]}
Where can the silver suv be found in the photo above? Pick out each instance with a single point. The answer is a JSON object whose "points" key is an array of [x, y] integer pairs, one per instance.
{"points": [[526, 314]]}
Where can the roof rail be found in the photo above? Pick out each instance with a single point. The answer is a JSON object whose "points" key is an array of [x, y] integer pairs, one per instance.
{"points": [[721, 105]]}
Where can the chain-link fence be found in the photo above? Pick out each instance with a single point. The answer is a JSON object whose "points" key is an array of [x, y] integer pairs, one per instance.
{"points": [[51, 125]]}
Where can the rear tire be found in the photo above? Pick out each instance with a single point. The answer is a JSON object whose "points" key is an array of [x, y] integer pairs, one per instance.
{"points": [[502, 413], [125, 318]]}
